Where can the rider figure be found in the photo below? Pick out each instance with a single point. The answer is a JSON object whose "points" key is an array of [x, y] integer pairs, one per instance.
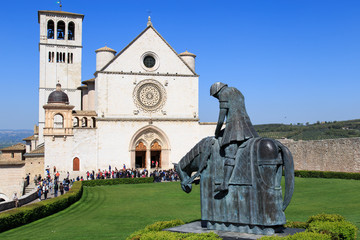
{"points": [[238, 127]]}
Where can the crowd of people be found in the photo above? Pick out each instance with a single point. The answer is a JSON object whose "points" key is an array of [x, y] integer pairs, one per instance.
{"points": [[159, 175], [53, 185]]}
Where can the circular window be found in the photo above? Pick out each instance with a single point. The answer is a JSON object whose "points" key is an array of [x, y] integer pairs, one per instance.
{"points": [[149, 95], [149, 61]]}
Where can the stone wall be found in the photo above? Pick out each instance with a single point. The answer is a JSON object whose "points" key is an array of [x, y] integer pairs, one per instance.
{"points": [[11, 180], [337, 155], [11, 156], [22, 200], [34, 166]]}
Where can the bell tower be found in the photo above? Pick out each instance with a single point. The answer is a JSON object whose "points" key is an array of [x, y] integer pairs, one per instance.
{"points": [[60, 50]]}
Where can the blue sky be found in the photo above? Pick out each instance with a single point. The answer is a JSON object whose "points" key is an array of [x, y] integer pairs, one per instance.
{"points": [[294, 60]]}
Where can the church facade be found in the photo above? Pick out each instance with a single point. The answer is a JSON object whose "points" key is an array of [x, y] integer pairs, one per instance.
{"points": [[141, 108]]}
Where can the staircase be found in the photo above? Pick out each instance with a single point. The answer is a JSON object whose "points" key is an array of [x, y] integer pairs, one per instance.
{"points": [[29, 188]]}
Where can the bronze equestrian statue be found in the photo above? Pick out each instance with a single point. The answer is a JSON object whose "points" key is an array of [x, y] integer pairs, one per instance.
{"points": [[240, 172]]}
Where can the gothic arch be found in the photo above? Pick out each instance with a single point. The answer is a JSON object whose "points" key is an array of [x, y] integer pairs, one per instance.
{"points": [[148, 135], [146, 130]]}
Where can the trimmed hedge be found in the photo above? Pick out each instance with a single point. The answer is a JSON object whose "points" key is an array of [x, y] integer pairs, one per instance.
{"points": [[321, 226], [154, 232], [321, 174], [20, 216], [300, 236], [115, 181]]}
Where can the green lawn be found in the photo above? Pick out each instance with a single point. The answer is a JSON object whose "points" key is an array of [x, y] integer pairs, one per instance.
{"points": [[114, 212]]}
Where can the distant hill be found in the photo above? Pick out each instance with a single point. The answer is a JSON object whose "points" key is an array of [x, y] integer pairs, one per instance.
{"points": [[10, 137], [317, 131]]}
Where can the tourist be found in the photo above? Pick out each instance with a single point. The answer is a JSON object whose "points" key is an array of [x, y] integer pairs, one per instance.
{"points": [[39, 192], [36, 179], [61, 187], [56, 188], [27, 179], [16, 199], [45, 190]]}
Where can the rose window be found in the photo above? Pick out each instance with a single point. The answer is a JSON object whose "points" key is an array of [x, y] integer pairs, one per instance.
{"points": [[149, 95]]}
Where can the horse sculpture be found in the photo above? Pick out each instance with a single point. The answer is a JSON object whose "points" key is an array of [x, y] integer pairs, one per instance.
{"points": [[253, 202]]}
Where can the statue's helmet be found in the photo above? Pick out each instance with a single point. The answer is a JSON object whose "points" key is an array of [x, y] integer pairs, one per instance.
{"points": [[216, 87]]}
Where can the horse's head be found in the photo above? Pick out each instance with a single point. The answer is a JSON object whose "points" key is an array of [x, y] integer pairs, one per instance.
{"points": [[186, 187], [184, 178]]}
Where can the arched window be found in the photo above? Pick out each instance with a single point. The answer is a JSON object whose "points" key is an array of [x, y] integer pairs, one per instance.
{"points": [[58, 121], [76, 164], [52, 56], [61, 30], [84, 122], [50, 29], [63, 57], [49, 56], [76, 122], [71, 31], [93, 122], [57, 57]]}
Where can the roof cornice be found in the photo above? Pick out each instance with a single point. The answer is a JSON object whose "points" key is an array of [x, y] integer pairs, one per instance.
{"points": [[146, 74], [59, 13]]}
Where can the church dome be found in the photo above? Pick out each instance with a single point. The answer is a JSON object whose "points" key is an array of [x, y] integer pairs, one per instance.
{"points": [[105, 49], [186, 53], [58, 96]]}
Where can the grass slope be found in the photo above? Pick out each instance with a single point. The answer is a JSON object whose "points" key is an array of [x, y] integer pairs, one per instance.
{"points": [[114, 212]]}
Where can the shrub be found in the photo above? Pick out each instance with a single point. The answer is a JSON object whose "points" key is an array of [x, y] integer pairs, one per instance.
{"points": [[291, 224], [300, 236], [153, 232], [165, 235], [337, 230], [20, 216], [158, 226], [115, 181], [323, 217]]}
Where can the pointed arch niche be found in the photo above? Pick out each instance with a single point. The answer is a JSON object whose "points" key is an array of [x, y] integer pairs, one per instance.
{"points": [[150, 148]]}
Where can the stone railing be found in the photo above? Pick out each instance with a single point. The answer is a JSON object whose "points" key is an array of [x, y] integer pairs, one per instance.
{"points": [[22, 201]]}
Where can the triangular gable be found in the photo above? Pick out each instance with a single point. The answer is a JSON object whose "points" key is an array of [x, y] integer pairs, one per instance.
{"points": [[106, 67]]}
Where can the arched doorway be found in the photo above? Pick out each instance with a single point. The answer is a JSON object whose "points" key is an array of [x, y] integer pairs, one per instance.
{"points": [[156, 146], [76, 164], [140, 155], [155, 155]]}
